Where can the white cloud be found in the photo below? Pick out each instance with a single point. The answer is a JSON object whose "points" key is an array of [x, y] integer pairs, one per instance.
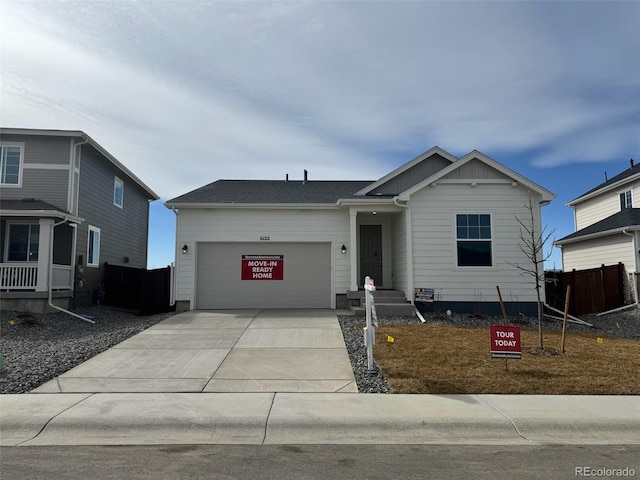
{"points": [[185, 93]]}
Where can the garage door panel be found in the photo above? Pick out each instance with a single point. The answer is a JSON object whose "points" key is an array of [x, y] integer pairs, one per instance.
{"points": [[306, 276]]}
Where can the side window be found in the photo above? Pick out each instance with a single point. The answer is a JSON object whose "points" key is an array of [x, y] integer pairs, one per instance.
{"points": [[93, 247], [118, 192], [11, 165], [474, 240], [626, 200]]}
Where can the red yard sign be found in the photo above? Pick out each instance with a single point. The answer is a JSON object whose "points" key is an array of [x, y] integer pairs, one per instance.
{"points": [[262, 267], [505, 341]]}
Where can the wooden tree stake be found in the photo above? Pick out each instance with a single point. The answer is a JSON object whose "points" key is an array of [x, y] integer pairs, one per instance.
{"points": [[504, 311], [566, 314]]}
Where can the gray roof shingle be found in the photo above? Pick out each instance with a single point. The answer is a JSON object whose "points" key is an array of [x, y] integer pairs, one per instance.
{"points": [[621, 176], [628, 217], [271, 191], [28, 204]]}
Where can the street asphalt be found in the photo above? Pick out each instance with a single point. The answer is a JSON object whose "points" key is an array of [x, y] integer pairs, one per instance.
{"points": [[280, 377]]}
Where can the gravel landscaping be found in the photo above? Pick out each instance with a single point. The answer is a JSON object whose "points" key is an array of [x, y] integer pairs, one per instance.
{"points": [[39, 347]]}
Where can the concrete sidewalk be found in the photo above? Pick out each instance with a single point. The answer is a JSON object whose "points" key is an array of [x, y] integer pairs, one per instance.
{"points": [[279, 377], [224, 351], [316, 418]]}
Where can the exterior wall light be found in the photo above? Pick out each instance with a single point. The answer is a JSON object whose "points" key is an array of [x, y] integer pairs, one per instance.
{"points": [[185, 249], [344, 249]]}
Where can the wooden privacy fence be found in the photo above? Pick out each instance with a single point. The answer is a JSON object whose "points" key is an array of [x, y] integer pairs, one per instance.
{"points": [[148, 291], [593, 290]]}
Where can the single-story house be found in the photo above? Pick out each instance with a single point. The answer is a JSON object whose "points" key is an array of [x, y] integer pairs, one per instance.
{"points": [[440, 230]]}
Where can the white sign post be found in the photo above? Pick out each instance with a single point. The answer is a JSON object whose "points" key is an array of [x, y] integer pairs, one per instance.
{"points": [[372, 321]]}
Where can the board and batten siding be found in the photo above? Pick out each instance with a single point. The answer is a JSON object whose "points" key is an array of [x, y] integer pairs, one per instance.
{"points": [[413, 176], [123, 231], [604, 205], [433, 213], [45, 169], [240, 225], [609, 250]]}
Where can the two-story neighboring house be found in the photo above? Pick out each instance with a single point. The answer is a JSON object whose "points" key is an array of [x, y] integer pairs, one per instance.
{"points": [[67, 206], [607, 223]]}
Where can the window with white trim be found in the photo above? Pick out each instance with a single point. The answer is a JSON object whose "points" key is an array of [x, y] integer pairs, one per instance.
{"points": [[10, 165], [93, 247], [626, 200], [474, 240], [24, 240], [118, 192]]}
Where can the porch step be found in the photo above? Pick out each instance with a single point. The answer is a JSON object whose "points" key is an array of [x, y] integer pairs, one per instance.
{"points": [[388, 310], [380, 296], [389, 303]]}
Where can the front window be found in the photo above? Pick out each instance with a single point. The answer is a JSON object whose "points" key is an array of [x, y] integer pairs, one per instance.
{"points": [[118, 192], [473, 238], [626, 200], [93, 248], [23, 243], [10, 162]]}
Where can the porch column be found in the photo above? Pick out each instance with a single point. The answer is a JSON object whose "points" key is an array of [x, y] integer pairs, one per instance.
{"points": [[353, 248], [409, 247], [44, 249]]}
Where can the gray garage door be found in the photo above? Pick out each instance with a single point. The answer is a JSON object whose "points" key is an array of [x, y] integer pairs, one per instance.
{"points": [[226, 271]]}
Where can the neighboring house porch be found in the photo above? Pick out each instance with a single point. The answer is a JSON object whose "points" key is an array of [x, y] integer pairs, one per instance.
{"points": [[37, 250]]}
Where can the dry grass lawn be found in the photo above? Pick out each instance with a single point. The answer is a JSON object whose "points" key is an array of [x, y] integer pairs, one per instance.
{"points": [[450, 360]]}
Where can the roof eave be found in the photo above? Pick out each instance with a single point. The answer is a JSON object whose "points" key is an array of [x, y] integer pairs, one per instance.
{"points": [[365, 201], [604, 189], [91, 141], [41, 214], [277, 206], [591, 236], [152, 195]]}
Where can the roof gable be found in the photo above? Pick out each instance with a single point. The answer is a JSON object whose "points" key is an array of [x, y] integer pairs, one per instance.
{"points": [[411, 173], [477, 166]]}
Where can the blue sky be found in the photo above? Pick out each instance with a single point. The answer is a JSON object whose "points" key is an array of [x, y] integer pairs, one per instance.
{"points": [[185, 93]]}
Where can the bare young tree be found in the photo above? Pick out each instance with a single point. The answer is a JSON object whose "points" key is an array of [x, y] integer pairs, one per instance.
{"points": [[532, 244]]}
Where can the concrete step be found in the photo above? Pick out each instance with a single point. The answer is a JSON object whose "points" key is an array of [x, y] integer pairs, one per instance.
{"points": [[384, 299], [388, 310], [359, 295]]}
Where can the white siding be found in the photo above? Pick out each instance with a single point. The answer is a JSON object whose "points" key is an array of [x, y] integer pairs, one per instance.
{"points": [[604, 205], [239, 225], [399, 253], [434, 242], [593, 253]]}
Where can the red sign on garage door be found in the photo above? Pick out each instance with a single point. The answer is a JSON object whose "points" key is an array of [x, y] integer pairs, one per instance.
{"points": [[262, 267], [505, 341]]}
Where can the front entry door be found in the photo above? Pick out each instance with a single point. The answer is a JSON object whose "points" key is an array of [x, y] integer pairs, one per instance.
{"points": [[371, 253]]}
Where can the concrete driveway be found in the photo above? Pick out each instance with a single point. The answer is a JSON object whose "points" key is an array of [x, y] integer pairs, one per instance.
{"points": [[221, 351]]}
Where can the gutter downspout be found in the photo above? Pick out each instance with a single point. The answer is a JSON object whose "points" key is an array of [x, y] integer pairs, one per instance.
{"points": [[172, 295], [53, 226], [73, 195], [635, 280]]}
